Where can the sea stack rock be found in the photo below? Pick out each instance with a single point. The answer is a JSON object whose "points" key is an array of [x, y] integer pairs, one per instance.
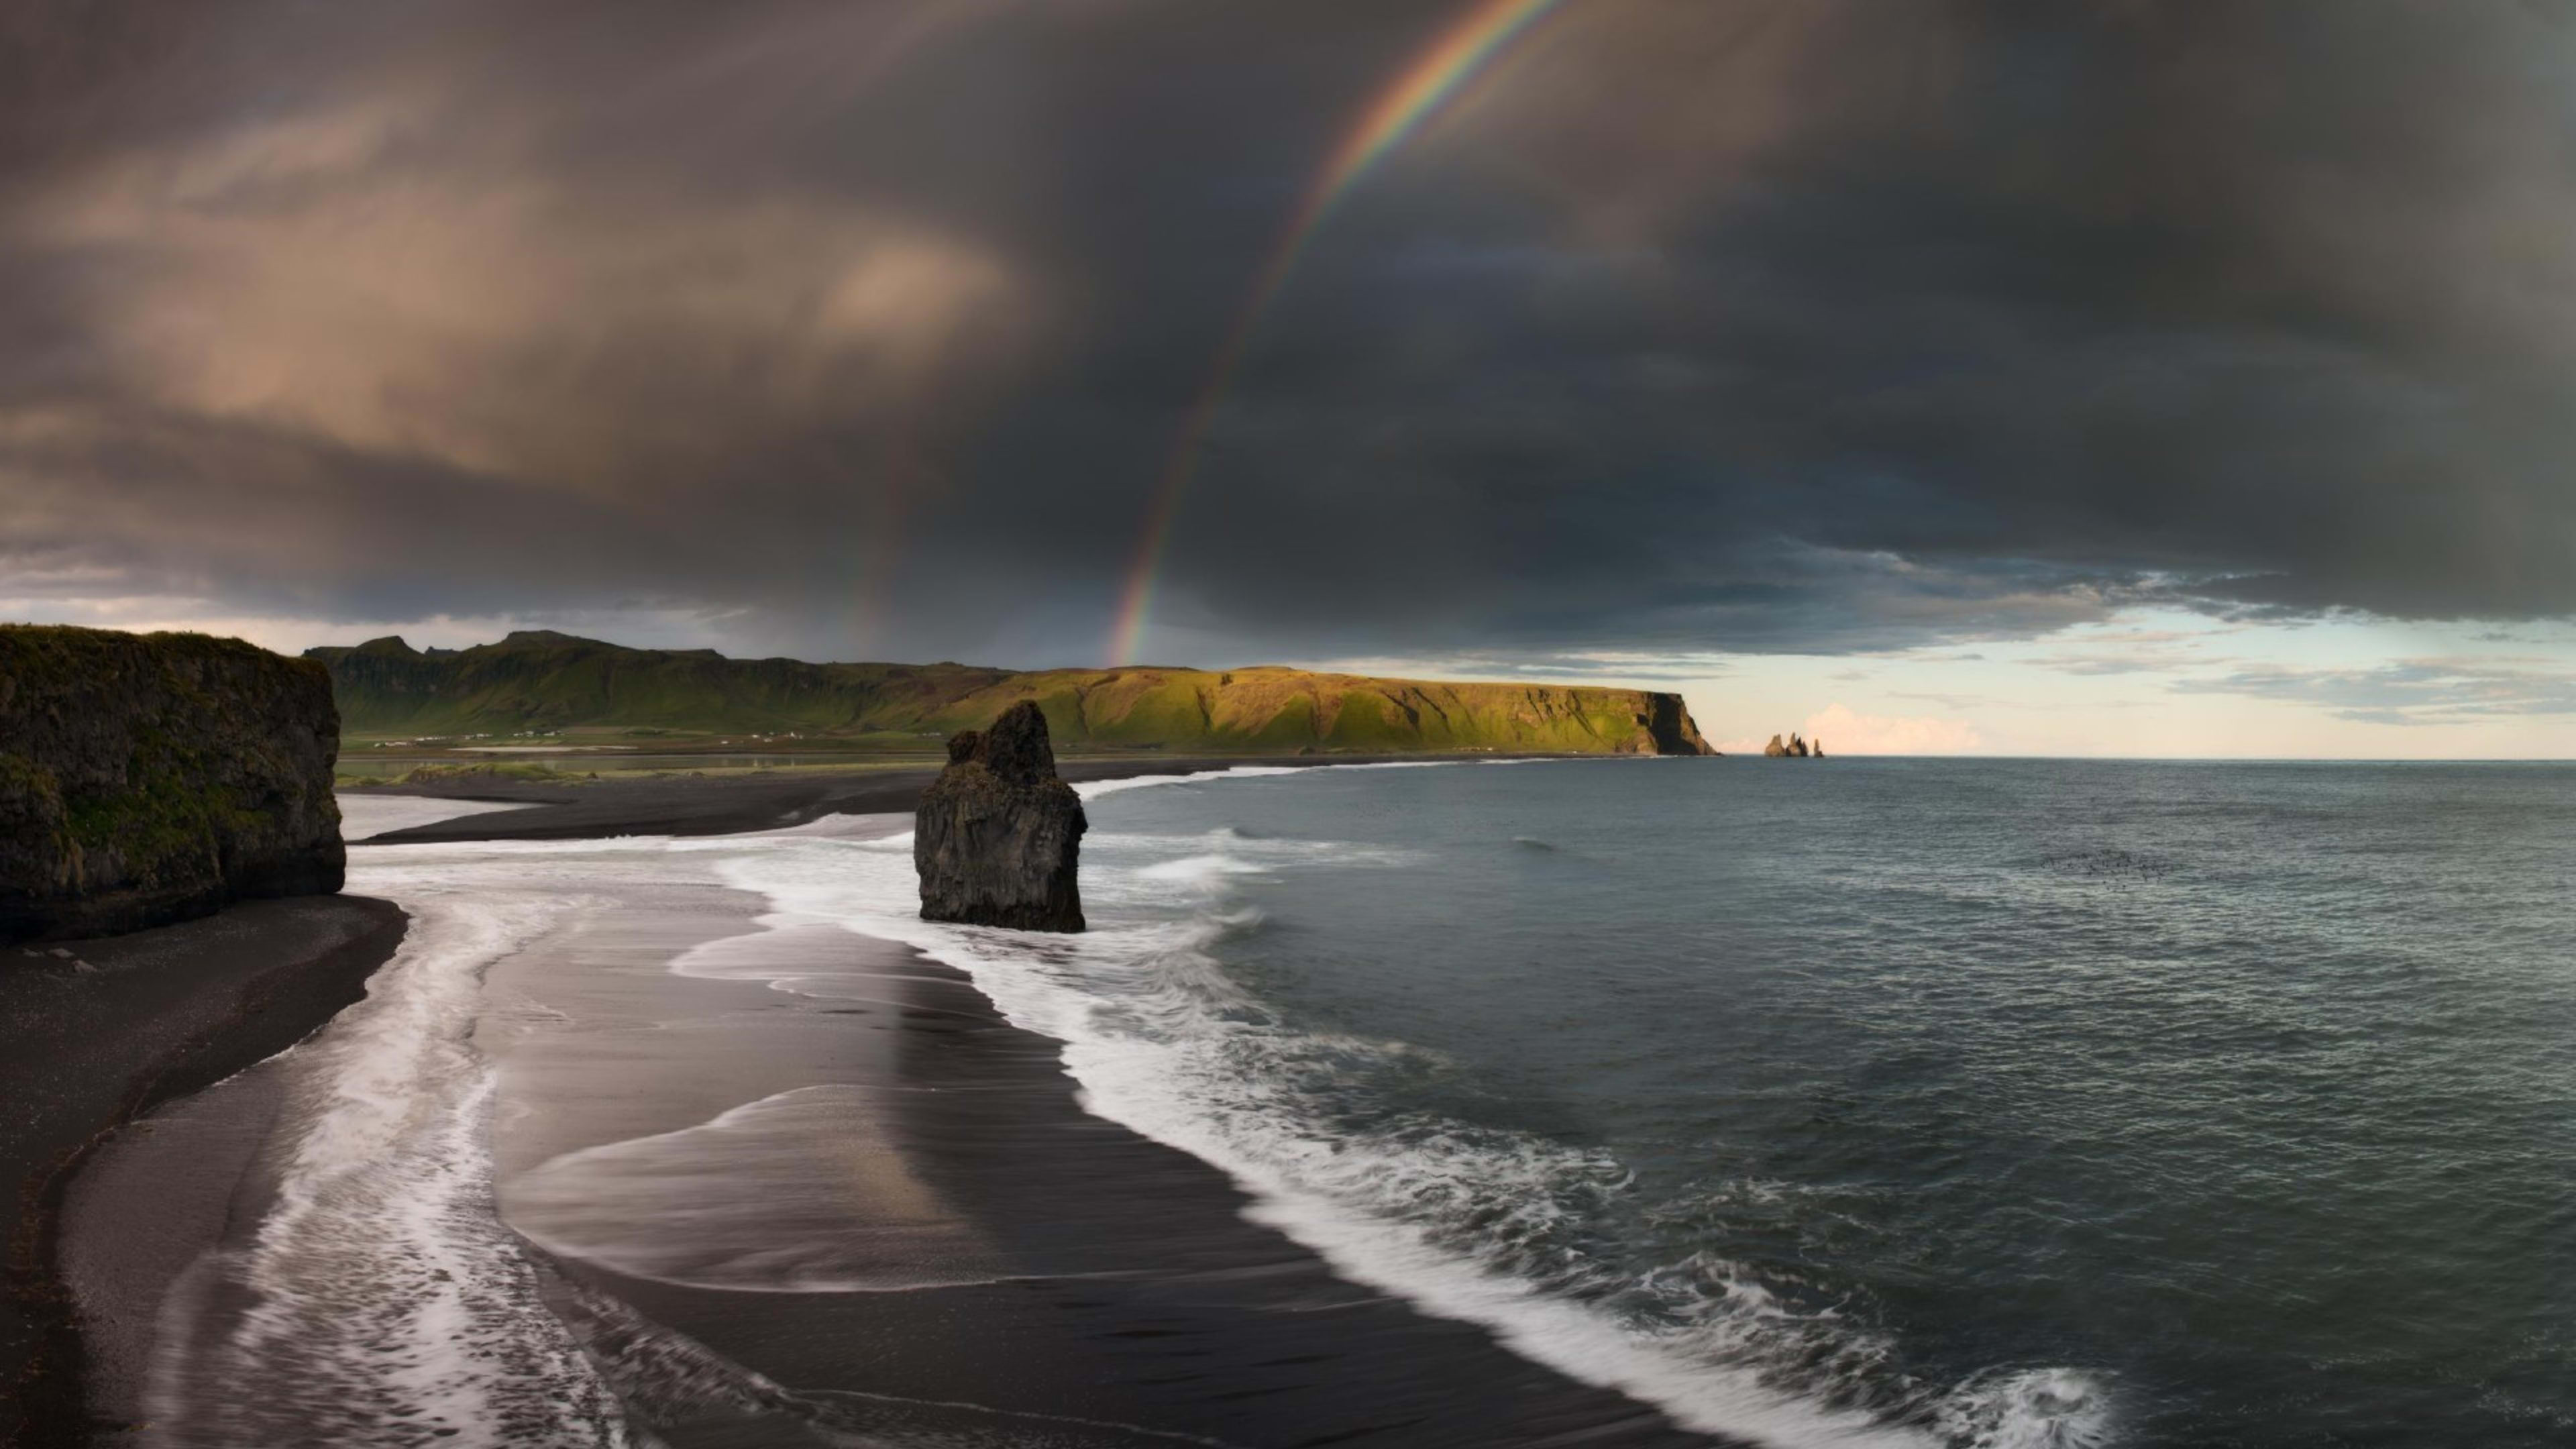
{"points": [[1775, 749], [147, 778], [998, 837]]}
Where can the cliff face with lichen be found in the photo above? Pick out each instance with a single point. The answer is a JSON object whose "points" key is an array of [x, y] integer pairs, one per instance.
{"points": [[148, 778], [555, 681], [997, 837]]}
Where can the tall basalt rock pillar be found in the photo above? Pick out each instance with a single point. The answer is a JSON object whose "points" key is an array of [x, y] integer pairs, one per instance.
{"points": [[998, 838]]}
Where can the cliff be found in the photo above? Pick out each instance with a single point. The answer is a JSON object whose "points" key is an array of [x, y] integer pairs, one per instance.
{"points": [[997, 837], [148, 778], [554, 681]]}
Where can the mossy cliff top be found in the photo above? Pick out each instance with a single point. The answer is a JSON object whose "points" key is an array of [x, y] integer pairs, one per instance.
{"points": [[542, 680], [145, 778]]}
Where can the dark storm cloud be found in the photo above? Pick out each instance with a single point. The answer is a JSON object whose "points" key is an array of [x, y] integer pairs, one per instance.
{"points": [[1737, 325]]}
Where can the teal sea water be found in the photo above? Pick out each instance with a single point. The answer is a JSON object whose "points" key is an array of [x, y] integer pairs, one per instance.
{"points": [[1996, 1102]]}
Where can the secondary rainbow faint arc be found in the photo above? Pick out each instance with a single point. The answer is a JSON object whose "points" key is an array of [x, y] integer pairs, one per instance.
{"points": [[1435, 75]]}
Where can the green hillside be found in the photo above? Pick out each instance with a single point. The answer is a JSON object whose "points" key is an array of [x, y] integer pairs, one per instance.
{"points": [[555, 682]]}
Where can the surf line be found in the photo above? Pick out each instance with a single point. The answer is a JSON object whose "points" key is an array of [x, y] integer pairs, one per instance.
{"points": [[1418, 92]]}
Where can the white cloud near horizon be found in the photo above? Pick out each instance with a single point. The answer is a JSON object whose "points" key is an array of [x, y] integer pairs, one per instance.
{"points": [[1842, 730]]}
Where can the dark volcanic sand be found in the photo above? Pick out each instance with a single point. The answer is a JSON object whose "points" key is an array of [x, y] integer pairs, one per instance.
{"points": [[159, 1014]]}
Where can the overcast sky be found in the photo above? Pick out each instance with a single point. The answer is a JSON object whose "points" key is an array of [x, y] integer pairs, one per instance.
{"points": [[2114, 377]]}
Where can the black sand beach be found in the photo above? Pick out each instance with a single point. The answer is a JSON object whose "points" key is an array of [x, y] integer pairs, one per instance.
{"points": [[94, 1034]]}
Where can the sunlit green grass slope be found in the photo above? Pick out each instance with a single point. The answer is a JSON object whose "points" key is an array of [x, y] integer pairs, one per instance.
{"points": [[542, 681]]}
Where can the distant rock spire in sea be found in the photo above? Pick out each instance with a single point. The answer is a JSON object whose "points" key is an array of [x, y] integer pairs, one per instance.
{"points": [[1795, 749]]}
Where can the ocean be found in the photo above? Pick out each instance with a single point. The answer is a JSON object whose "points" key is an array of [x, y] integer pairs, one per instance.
{"points": [[1837, 1102]]}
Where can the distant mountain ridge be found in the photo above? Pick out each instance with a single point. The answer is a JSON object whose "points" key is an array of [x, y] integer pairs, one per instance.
{"points": [[539, 679]]}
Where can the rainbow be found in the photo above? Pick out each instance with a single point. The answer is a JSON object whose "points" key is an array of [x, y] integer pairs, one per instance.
{"points": [[1418, 92]]}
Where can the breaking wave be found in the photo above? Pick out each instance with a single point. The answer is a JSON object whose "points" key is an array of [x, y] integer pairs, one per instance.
{"points": [[1094, 789]]}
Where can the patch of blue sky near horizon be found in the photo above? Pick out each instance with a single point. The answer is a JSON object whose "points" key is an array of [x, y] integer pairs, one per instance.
{"points": [[2145, 684]]}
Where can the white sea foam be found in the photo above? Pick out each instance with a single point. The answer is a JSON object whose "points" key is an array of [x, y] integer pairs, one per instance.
{"points": [[1257, 851], [1094, 789], [2050, 1408]]}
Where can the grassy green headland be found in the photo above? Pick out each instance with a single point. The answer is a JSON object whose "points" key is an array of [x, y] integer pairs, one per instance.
{"points": [[543, 688]]}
